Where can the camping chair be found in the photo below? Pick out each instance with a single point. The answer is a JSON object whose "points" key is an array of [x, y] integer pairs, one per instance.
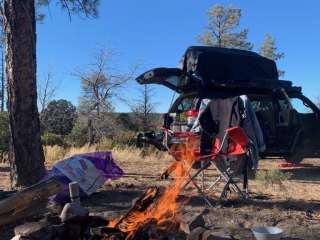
{"points": [[235, 141]]}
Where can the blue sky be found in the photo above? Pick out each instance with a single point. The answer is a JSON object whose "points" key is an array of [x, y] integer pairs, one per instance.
{"points": [[157, 33]]}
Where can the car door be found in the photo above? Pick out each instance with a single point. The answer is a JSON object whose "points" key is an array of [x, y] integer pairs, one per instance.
{"points": [[277, 121], [288, 124], [309, 116], [264, 107]]}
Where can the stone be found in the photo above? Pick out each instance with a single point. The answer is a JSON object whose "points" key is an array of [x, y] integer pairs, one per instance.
{"points": [[58, 229], [19, 237], [73, 231], [196, 234], [33, 230], [73, 212], [211, 235], [69, 230], [190, 221], [108, 215]]}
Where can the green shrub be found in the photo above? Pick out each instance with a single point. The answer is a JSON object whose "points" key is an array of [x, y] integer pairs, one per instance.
{"points": [[127, 122], [272, 177], [78, 136], [50, 139], [58, 117]]}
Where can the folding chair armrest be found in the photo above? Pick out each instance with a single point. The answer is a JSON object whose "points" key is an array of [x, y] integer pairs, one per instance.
{"points": [[224, 139]]}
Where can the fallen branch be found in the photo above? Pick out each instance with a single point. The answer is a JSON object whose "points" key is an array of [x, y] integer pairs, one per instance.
{"points": [[27, 202]]}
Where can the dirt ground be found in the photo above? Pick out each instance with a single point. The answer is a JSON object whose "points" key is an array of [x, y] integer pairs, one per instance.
{"points": [[294, 206]]}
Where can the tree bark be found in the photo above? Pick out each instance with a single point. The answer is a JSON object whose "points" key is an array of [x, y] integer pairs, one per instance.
{"points": [[2, 80], [90, 132], [26, 153]]}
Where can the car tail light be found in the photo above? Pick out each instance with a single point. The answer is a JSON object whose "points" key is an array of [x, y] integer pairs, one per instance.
{"points": [[192, 116]]}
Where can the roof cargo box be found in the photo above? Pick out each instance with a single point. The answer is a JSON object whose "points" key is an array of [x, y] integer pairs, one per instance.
{"points": [[223, 65]]}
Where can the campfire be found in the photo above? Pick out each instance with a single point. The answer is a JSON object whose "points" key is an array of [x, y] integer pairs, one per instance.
{"points": [[155, 213]]}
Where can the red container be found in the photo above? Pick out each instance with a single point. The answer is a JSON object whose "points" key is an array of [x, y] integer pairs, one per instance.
{"points": [[192, 116]]}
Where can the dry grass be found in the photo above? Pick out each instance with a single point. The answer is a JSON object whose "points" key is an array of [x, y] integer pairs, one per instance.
{"points": [[144, 168], [141, 167], [53, 154], [302, 185], [132, 159]]}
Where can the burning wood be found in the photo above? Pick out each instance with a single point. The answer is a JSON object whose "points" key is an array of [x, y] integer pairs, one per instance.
{"points": [[155, 213], [140, 206], [138, 223]]}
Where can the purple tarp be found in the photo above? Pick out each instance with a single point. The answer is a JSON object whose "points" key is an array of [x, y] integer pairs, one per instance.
{"points": [[102, 161]]}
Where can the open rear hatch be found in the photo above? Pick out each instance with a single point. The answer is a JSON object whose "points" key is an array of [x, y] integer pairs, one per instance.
{"points": [[169, 77]]}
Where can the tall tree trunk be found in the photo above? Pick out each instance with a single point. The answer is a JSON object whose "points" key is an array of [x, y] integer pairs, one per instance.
{"points": [[90, 132], [26, 153], [2, 80]]}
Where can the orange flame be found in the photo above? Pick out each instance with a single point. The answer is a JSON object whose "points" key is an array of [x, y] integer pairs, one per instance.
{"points": [[166, 208]]}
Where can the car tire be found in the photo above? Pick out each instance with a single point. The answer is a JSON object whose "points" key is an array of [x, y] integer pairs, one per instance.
{"points": [[296, 157]]}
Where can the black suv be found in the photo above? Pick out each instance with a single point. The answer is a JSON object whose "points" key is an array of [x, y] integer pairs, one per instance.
{"points": [[289, 120]]}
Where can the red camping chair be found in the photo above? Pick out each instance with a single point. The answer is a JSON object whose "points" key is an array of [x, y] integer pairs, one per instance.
{"points": [[236, 141], [233, 145]]}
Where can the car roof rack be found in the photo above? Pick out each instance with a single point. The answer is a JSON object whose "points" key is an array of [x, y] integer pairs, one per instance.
{"points": [[193, 82]]}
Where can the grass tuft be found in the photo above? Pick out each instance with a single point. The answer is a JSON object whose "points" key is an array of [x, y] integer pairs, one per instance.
{"points": [[272, 177]]}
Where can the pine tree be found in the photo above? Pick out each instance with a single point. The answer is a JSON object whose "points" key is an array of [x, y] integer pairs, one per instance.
{"points": [[26, 153], [222, 29], [269, 50]]}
